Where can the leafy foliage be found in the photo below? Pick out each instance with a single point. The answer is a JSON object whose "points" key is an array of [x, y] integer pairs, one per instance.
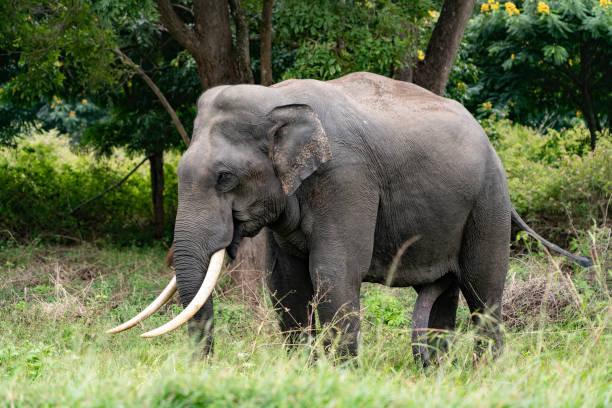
{"points": [[542, 60], [325, 40], [553, 178], [42, 180]]}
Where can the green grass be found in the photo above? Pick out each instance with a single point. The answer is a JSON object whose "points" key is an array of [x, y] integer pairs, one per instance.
{"points": [[56, 302]]}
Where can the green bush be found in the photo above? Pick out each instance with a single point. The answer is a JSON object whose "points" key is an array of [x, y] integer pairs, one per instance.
{"points": [[43, 179], [555, 181]]}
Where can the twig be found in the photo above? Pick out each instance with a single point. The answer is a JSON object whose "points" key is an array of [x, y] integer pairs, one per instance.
{"points": [[117, 184]]}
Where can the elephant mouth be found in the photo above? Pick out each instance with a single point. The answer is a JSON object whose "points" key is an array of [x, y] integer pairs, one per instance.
{"points": [[232, 248]]}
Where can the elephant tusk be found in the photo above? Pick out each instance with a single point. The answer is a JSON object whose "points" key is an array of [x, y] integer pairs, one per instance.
{"points": [[210, 280], [152, 308]]}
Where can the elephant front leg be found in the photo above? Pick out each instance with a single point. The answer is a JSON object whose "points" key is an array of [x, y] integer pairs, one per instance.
{"points": [[291, 292], [338, 309], [341, 253]]}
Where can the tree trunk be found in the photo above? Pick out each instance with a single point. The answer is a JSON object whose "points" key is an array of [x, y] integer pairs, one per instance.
{"points": [[266, 43], [242, 43], [432, 73], [588, 108], [157, 192], [210, 44], [590, 116]]}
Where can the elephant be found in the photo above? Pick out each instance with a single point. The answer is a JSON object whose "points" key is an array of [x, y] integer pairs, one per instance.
{"points": [[357, 179]]}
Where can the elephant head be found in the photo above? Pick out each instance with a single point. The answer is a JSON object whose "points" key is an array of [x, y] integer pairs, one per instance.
{"points": [[251, 149]]}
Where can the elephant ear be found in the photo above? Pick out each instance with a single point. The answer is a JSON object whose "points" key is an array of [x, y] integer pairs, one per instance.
{"points": [[299, 145]]}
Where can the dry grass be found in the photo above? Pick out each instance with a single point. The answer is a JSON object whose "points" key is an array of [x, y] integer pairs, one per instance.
{"points": [[525, 301]]}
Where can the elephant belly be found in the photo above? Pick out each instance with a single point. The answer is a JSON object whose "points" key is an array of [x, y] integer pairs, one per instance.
{"points": [[417, 246]]}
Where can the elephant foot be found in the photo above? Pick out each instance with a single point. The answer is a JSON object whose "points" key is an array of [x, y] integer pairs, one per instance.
{"points": [[421, 329]]}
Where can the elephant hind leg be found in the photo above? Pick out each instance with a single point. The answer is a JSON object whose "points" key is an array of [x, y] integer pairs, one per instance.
{"points": [[434, 303], [443, 316], [483, 264]]}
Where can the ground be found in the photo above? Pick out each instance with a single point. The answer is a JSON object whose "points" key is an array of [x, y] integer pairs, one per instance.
{"points": [[57, 301]]}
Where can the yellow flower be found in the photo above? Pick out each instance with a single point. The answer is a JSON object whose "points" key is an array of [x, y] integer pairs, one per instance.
{"points": [[129, 84], [52, 106], [72, 114], [421, 55], [485, 8], [175, 63], [487, 105], [511, 8], [29, 18], [578, 113], [494, 5], [58, 63], [433, 13], [83, 101], [604, 3], [570, 62], [543, 8], [511, 56]]}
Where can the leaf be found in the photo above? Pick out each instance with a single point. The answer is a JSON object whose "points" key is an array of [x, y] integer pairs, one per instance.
{"points": [[557, 53]]}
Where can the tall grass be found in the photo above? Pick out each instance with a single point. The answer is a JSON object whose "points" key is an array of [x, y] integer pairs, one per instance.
{"points": [[56, 302]]}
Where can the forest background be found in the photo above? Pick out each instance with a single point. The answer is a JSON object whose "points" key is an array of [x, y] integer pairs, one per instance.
{"points": [[92, 91]]}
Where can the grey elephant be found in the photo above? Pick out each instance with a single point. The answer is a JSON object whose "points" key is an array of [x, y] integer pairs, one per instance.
{"points": [[358, 179]]}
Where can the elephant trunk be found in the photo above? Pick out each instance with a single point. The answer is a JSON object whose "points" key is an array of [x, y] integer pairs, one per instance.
{"points": [[200, 239], [193, 304]]}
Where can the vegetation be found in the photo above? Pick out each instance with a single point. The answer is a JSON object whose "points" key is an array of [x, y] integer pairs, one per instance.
{"points": [[56, 303], [542, 62], [556, 184], [45, 179], [87, 90]]}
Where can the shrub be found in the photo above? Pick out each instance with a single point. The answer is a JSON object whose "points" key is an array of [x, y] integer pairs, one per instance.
{"points": [[43, 179], [554, 179]]}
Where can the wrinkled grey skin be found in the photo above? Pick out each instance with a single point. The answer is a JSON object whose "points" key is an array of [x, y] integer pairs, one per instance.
{"points": [[343, 173]]}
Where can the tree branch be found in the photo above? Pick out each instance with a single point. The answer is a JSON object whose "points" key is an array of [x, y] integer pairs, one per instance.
{"points": [[117, 184], [177, 123], [176, 26]]}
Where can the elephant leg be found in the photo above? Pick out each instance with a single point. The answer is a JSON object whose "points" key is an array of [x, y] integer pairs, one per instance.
{"points": [[443, 316], [291, 291], [483, 264], [201, 327], [341, 253], [430, 296]]}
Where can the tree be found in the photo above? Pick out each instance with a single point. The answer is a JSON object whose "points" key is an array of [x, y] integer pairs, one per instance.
{"points": [[72, 79], [266, 43], [325, 40], [205, 31], [433, 70], [544, 61]]}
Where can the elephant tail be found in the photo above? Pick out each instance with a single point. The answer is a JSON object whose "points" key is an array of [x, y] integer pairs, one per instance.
{"points": [[580, 260]]}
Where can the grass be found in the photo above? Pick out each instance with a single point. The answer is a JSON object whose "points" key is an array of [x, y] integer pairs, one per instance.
{"points": [[56, 302]]}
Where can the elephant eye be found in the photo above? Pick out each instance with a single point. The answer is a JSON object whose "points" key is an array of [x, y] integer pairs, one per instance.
{"points": [[226, 181], [223, 176]]}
